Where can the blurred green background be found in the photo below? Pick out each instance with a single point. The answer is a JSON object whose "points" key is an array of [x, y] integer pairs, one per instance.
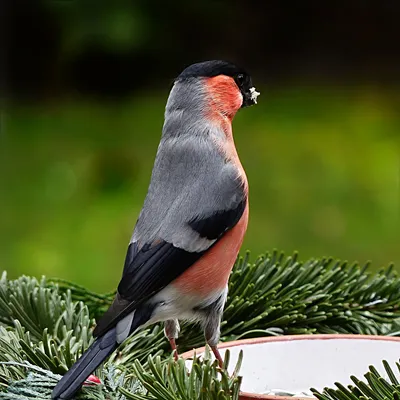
{"points": [[86, 88]]}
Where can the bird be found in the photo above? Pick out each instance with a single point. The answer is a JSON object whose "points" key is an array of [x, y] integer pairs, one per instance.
{"points": [[192, 223]]}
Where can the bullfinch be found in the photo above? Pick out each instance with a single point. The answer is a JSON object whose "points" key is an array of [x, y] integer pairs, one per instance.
{"points": [[192, 223]]}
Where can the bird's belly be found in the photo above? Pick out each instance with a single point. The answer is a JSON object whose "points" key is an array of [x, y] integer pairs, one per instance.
{"points": [[173, 304], [211, 272]]}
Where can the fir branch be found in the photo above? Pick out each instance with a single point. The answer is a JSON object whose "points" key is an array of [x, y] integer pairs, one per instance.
{"points": [[38, 305], [41, 326], [40, 382], [170, 380], [48, 323], [375, 388], [157, 381], [96, 303]]}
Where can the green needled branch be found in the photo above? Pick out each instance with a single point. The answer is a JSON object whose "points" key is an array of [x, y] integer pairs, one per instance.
{"points": [[160, 380], [48, 323], [374, 387]]}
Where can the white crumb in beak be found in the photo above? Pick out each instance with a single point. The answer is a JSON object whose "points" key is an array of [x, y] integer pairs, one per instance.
{"points": [[254, 94]]}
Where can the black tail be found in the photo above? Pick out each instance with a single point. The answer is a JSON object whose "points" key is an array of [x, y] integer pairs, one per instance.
{"points": [[90, 360]]}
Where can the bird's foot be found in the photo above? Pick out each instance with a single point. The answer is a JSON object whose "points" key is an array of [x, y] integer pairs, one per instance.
{"points": [[174, 349], [218, 356]]}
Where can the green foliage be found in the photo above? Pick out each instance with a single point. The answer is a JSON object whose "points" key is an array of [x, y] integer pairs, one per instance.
{"points": [[376, 387], [39, 383], [171, 381], [47, 324], [160, 380], [49, 329]]}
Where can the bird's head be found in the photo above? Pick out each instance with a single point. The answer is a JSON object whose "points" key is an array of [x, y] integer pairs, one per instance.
{"points": [[216, 87]]}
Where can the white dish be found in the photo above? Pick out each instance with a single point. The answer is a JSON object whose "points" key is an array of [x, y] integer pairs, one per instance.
{"points": [[294, 364]]}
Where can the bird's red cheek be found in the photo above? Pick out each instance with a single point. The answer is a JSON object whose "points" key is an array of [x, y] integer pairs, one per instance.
{"points": [[224, 95]]}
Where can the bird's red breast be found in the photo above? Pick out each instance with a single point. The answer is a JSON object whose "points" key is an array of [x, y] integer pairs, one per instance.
{"points": [[225, 99], [211, 272]]}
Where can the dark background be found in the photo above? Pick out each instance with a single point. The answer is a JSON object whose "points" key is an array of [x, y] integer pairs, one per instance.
{"points": [[85, 84], [115, 48]]}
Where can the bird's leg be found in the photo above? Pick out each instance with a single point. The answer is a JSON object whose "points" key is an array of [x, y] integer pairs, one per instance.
{"points": [[212, 324], [212, 334], [218, 356], [174, 349], [171, 331]]}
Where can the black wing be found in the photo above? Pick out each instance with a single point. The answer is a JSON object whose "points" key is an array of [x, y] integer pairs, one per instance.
{"points": [[152, 267]]}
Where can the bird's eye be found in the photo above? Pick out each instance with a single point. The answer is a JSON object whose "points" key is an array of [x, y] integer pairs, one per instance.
{"points": [[240, 79]]}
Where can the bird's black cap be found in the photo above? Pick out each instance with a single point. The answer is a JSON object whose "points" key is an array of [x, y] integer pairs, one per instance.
{"points": [[210, 69]]}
